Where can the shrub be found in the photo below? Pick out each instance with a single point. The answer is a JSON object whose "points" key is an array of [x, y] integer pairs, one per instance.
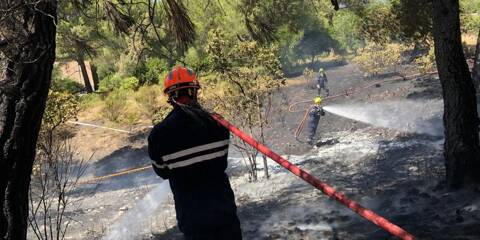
{"points": [[61, 106], [56, 170], [152, 102], [243, 75], [115, 105], [110, 82], [129, 83], [116, 81], [426, 63], [151, 71], [61, 83], [378, 58], [90, 100]]}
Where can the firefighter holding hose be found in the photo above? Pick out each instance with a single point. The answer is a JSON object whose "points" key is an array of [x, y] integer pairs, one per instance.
{"points": [[314, 114], [190, 149]]}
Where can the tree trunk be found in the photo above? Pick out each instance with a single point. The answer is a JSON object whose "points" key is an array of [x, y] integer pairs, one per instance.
{"points": [[476, 65], [94, 76], [28, 32], [312, 63], [86, 80], [460, 118]]}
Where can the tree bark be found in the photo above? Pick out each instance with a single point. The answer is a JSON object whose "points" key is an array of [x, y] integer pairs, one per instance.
{"points": [[476, 65], [460, 117], [94, 76], [81, 62], [29, 54]]}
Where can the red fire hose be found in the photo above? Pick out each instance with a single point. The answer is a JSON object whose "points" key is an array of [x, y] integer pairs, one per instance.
{"points": [[325, 188]]}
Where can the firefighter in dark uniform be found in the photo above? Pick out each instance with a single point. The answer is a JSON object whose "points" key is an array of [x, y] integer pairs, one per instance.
{"points": [[190, 149], [322, 82], [314, 114]]}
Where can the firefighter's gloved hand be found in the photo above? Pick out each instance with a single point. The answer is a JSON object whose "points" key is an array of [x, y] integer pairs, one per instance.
{"points": [[322, 112], [318, 85]]}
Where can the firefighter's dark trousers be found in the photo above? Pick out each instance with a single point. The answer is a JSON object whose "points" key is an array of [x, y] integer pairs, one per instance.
{"points": [[313, 120], [231, 232]]}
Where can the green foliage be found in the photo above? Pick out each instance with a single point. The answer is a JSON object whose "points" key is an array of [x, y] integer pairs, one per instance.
{"points": [[469, 16], [378, 58], [242, 77], [194, 60], [64, 84], [414, 19], [247, 73], [151, 71], [264, 18], [346, 30], [314, 43], [129, 83], [217, 51], [117, 81], [115, 105], [61, 107], [110, 83], [89, 101], [378, 22], [287, 53], [426, 63]]}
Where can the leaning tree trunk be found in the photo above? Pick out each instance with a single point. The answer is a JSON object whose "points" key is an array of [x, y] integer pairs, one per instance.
{"points": [[27, 46], [81, 62], [476, 65], [460, 118], [94, 76]]}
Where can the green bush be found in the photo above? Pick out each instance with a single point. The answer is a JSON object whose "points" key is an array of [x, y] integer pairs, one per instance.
{"points": [[377, 58], [151, 71], [116, 81], [115, 105], [88, 101], [426, 63], [64, 84], [61, 107], [152, 102], [110, 83], [129, 83], [346, 30], [194, 60]]}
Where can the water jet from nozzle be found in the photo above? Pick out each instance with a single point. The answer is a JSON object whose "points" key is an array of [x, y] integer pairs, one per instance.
{"points": [[423, 116]]}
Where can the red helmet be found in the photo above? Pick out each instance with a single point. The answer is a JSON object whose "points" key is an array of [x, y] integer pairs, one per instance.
{"points": [[180, 78]]}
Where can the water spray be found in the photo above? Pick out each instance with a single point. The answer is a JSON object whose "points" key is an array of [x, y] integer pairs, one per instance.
{"points": [[423, 117], [133, 222]]}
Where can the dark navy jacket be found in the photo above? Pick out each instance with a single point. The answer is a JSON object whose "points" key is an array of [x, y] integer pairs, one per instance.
{"points": [[192, 153], [321, 80], [314, 114]]}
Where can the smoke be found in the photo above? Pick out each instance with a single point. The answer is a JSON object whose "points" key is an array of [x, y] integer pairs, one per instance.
{"points": [[133, 222], [423, 117]]}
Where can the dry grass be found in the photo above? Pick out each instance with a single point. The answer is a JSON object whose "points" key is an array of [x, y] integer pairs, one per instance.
{"points": [[469, 39]]}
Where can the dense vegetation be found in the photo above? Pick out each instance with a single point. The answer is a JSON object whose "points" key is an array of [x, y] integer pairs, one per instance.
{"points": [[241, 49], [134, 45]]}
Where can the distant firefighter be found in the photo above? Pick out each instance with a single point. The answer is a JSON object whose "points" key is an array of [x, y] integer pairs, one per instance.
{"points": [[322, 82], [314, 114]]}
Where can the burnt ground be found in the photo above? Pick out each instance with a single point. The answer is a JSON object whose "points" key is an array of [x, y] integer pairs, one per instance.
{"points": [[398, 175]]}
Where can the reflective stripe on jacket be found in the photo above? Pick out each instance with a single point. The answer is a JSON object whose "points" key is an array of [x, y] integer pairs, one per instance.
{"points": [[191, 151]]}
